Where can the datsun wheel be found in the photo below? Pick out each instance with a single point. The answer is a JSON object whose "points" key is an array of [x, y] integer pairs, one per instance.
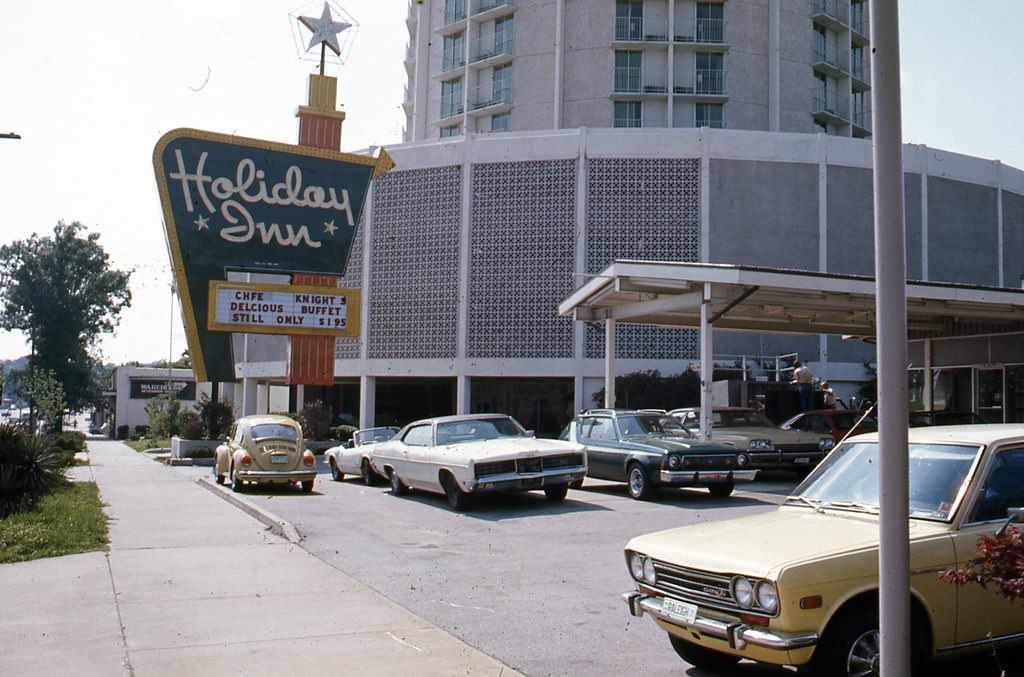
{"points": [[850, 647]]}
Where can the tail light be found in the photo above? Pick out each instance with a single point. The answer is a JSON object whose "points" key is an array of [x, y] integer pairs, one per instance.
{"points": [[246, 460], [307, 458]]}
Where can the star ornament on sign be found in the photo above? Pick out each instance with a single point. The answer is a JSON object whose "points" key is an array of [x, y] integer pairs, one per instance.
{"points": [[325, 30]]}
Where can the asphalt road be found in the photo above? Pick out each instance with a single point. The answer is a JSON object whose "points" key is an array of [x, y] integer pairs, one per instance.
{"points": [[535, 584]]}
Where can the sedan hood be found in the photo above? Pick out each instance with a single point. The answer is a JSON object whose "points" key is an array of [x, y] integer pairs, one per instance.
{"points": [[776, 435], [759, 545], [683, 444], [503, 448]]}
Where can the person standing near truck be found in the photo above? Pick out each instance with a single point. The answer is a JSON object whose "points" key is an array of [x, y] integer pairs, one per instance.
{"points": [[804, 380]]}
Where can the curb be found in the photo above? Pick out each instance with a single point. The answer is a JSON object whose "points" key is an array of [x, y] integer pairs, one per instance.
{"points": [[278, 526]]}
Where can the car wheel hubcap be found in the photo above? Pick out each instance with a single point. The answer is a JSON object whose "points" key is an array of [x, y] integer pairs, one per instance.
{"points": [[863, 660], [636, 481]]}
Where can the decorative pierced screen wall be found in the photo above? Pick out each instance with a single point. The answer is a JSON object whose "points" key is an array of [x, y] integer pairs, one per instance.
{"points": [[414, 269], [347, 347], [646, 209], [522, 255]]}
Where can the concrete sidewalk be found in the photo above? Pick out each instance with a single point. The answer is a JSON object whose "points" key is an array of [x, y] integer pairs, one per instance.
{"points": [[192, 585]]}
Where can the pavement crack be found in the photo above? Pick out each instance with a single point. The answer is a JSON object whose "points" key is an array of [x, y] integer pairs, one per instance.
{"points": [[402, 641], [126, 661]]}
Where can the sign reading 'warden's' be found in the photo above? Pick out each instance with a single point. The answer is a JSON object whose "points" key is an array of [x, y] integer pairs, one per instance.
{"points": [[283, 309]]}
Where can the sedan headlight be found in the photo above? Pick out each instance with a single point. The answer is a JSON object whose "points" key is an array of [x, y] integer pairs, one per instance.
{"points": [[760, 445], [767, 596], [742, 460], [742, 592], [649, 575], [636, 565], [674, 461], [826, 443]]}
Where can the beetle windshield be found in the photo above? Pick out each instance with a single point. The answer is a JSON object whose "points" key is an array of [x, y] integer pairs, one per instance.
{"points": [[275, 430], [649, 424], [848, 479], [455, 432]]}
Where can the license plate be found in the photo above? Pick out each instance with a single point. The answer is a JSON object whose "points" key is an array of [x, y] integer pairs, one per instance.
{"points": [[686, 613], [802, 459], [278, 459]]}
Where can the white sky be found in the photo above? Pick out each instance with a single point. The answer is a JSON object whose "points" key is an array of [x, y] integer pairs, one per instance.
{"points": [[91, 86]]}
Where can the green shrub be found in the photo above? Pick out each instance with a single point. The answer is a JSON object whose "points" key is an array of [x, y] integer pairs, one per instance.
{"points": [[343, 432], [69, 440], [122, 432], [190, 425], [28, 469], [163, 416], [216, 416], [315, 420], [199, 452]]}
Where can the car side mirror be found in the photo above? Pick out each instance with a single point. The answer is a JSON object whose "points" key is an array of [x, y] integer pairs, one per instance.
{"points": [[1012, 515], [531, 433]]}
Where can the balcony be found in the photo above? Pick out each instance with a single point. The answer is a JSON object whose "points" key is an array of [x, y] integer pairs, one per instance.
{"points": [[633, 80], [830, 60], [451, 107], [861, 76], [491, 98], [828, 107], [700, 31], [861, 121], [454, 11], [629, 122], [492, 50], [709, 82], [713, 123], [640, 29], [485, 10], [453, 61], [831, 14]]}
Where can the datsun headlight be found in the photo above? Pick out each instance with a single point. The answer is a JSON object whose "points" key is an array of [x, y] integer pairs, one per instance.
{"points": [[674, 461], [636, 565], [742, 460], [743, 592], [649, 575], [826, 443], [767, 596], [760, 445]]}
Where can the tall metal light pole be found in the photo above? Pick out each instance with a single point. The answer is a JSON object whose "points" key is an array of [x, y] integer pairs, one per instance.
{"points": [[9, 135], [891, 311]]}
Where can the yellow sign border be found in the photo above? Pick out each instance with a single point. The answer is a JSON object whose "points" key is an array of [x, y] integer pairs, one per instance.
{"points": [[352, 304]]}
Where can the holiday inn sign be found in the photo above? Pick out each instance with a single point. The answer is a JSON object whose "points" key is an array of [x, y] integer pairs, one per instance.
{"points": [[238, 204]]}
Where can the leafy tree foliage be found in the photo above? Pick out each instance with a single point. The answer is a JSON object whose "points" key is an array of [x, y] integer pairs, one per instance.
{"points": [[163, 415], [44, 391], [1000, 564], [649, 389], [61, 290]]}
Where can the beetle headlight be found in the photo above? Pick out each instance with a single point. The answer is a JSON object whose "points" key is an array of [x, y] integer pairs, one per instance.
{"points": [[674, 461], [743, 592], [760, 445], [742, 460], [826, 443], [649, 571], [636, 565], [767, 596]]}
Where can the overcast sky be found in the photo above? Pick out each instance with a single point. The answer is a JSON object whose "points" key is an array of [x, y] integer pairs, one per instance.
{"points": [[91, 86]]}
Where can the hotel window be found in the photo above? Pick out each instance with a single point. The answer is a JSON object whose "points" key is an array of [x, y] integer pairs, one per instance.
{"points": [[501, 123], [628, 114], [710, 75], [627, 71], [454, 10], [629, 20], [710, 22], [454, 51], [503, 35], [451, 98], [454, 130], [708, 115], [820, 43], [501, 84]]}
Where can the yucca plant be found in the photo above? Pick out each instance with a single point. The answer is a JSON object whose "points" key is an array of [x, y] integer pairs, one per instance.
{"points": [[29, 468]]}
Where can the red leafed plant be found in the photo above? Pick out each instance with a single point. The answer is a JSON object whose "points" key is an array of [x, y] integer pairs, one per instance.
{"points": [[1000, 564]]}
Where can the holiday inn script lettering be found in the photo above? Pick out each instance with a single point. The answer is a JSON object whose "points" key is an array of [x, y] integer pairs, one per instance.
{"points": [[233, 204]]}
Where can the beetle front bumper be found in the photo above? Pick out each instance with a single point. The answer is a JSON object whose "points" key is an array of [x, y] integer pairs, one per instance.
{"points": [[706, 476], [737, 634]]}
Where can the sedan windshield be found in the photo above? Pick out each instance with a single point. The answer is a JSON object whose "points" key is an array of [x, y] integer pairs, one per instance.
{"points": [[477, 429], [738, 418], [650, 424], [375, 435], [848, 479], [275, 430]]}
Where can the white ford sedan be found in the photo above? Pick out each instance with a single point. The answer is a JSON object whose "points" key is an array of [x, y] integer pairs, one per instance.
{"points": [[461, 456]]}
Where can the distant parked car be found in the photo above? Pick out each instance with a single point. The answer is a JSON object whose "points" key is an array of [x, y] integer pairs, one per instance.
{"points": [[463, 456], [647, 450], [768, 445], [835, 422], [264, 450], [353, 457], [920, 419], [799, 585]]}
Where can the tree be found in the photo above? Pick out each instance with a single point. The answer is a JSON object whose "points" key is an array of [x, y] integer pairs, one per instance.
{"points": [[1000, 564], [44, 391], [62, 291]]}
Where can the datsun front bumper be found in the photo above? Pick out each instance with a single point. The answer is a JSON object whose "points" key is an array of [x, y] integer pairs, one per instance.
{"points": [[706, 476], [737, 634]]}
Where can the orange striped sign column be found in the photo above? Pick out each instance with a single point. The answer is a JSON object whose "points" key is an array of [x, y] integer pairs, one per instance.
{"points": [[311, 358]]}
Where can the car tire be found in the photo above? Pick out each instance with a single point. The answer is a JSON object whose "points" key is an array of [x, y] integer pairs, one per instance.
{"points": [[850, 646], [556, 492], [217, 477], [236, 484], [639, 484], [369, 477], [722, 490], [307, 486], [336, 474], [398, 488], [457, 498], [699, 657]]}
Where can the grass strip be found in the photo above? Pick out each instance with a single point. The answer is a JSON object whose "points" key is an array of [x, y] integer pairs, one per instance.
{"points": [[149, 443], [66, 522]]}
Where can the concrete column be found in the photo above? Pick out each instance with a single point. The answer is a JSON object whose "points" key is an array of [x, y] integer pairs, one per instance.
{"points": [[706, 364], [559, 62], [300, 397], [421, 78], [609, 364], [462, 394], [774, 76], [926, 393], [367, 401], [577, 394], [248, 396]]}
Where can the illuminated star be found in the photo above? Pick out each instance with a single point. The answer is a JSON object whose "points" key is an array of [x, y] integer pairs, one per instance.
{"points": [[325, 29], [201, 223], [329, 227]]}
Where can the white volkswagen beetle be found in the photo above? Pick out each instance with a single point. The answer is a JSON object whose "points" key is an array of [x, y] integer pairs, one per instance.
{"points": [[461, 456], [353, 457]]}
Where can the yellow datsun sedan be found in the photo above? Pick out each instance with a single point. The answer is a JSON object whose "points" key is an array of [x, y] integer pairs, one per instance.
{"points": [[265, 449], [799, 585]]}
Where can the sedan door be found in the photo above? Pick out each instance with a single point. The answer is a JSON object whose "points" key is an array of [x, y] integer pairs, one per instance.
{"points": [[420, 461], [604, 452]]}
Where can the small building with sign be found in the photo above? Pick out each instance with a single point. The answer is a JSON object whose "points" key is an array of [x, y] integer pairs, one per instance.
{"points": [[134, 387]]}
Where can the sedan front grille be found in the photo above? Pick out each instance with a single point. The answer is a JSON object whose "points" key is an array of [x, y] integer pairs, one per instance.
{"points": [[564, 461], [710, 462], [494, 468], [527, 466], [703, 588]]}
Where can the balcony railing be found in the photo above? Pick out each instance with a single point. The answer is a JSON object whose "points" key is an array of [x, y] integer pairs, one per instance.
{"points": [[831, 56], [627, 122], [640, 29], [491, 46], [454, 10], [490, 94], [714, 123], [828, 104], [451, 106], [487, 5], [706, 82], [453, 60], [633, 80], [830, 9], [700, 30]]}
